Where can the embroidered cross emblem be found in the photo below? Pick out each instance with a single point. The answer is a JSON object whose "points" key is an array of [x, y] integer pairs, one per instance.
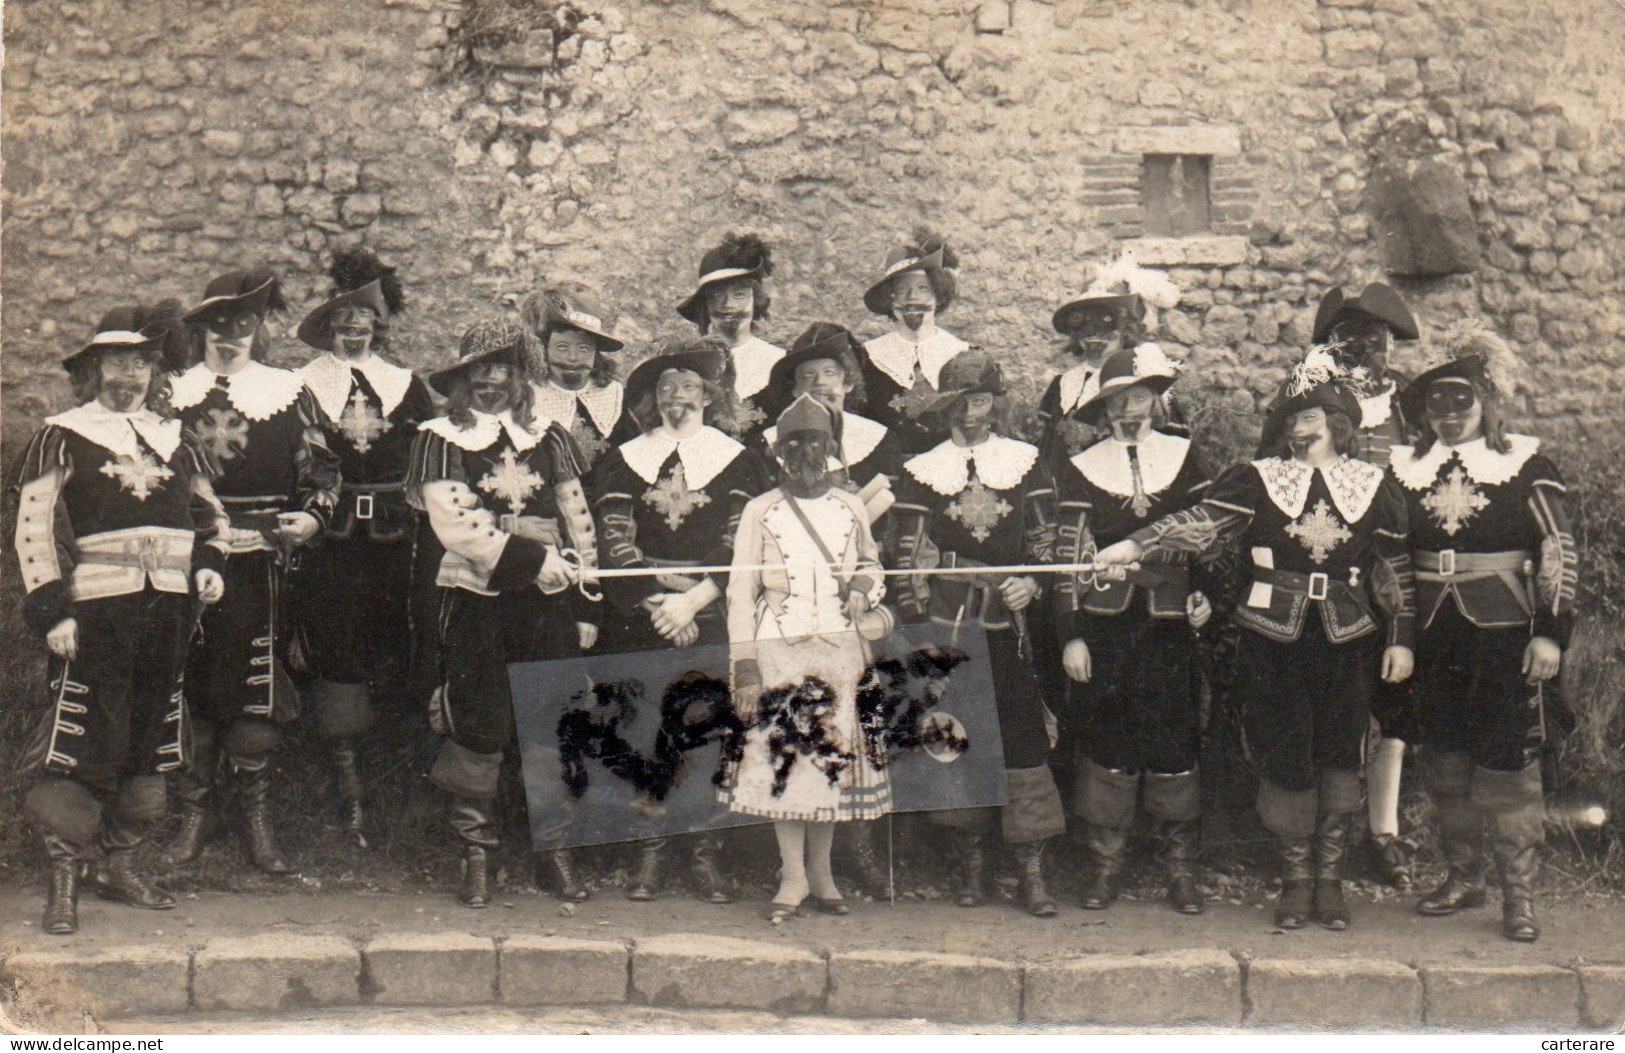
{"points": [[979, 509], [586, 436], [361, 423], [1454, 501], [511, 481], [672, 498], [1319, 531], [140, 474], [224, 432]]}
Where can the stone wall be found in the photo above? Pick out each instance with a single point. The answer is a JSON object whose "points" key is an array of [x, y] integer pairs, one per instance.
{"points": [[485, 146]]}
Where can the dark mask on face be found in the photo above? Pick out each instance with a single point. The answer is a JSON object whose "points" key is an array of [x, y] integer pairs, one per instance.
{"points": [[805, 456]]}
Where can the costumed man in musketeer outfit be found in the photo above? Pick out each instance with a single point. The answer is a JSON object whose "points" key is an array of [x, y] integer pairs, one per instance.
{"points": [[901, 369], [114, 561], [1496, 574], [979, 498], [823, 363], [1363, 329], [279, 483], [1326, 534], [503, 494], [352, 592], [668, 499], [1132, 643], [729, 299], [574, 381], [1115, 314], [807, 760]]}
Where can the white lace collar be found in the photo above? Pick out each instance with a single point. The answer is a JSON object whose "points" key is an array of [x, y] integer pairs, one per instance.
{"points": [[329, 379], [1000, 463], [601, 404], [896, 357], [1483, 464], [1352, 483], [1078, 385], [1376, 409], [753, 365], [257, 391], [485, 430], [116, 432], [859, 437], [703, 456], [1106, 463]]}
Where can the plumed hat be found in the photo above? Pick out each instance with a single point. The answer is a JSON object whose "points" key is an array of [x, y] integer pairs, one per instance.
{"points": [[1121, 285], [360, 279], [1145, 365], [1376, 301], [1473, 354], [925, 252], [739, 256], [256, 288]]}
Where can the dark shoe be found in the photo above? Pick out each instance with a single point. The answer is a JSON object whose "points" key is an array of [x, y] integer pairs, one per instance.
{"points": [[121, 882], [1179, 840], [836, 906], [1394, 860], [562, 865], [1296, 902], [352, 809], [707, 877], [1518, 919], [1030, 866], [200, 823], [646, 882], [259, 833], [781, 912], [970, 844], [1332, 834], [1108, 847], [1461, 837], [476, 890], [62, 894], [1460, 891]]}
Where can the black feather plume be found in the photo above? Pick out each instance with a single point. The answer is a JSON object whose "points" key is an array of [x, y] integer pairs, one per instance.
{"points": [[928, 241], [748, 251], [258, 276], [164, 322], [353, 268]]}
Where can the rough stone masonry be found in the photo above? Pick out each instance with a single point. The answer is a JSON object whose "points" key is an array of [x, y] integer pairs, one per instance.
{"points": [[1470, 146]]}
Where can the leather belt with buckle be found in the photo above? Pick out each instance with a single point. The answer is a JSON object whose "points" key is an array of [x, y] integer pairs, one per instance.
{"points": [[1447, 562], [363, 506], [1318, 583]]}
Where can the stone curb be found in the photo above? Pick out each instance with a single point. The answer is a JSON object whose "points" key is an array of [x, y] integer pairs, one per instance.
{"points": [[275, 972]]}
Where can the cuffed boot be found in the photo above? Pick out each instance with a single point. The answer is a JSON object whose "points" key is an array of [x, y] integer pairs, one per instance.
{"points": [[471, 821], [253, 776], [1108, 847], [1518, 865], [1517, 828], [353, 811], [1460, 825], [646, 882], [1030, 865], [120, 880], [200, 818], [970, 845], [1331, 849], [1297, 883], [1394, 857], [561, 865], [1179, 841], [707, 875], [62, 891]]}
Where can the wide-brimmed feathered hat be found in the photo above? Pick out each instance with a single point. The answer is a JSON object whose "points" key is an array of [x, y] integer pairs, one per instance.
{"points": [[1376, 301], [1120, 286], [1145, 366], [495, 340], [1475, 355], [157, 331], [820, 340], [360, 279], [578, 306], [739, 256], [924, 252], [1319, 380], [710, 362], [256, 289], [971, 372]]}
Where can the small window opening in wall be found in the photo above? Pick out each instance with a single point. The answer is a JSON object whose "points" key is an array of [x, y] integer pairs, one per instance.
{"points": [[1174, 188]]}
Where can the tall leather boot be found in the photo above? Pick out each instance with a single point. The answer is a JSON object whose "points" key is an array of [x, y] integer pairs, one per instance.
{"points": [[970, 844], [1297, 883], [707, 875], [1030, 865], [1517, 827], [1179, 841], [1332, 832], [353, 810], [1460, 824], [62, 892], [253, 776], [120, 880], [200, 816], [1518, 864], [471, 821], [1108, 848], [562, 865], [646, 882]]}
